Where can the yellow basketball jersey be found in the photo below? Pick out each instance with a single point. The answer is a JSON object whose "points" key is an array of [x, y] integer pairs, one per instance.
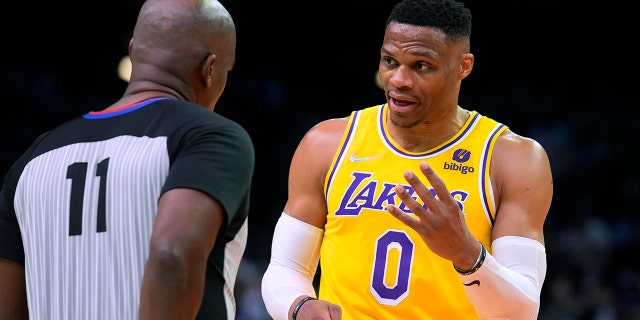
{"points": [[373, 265]]}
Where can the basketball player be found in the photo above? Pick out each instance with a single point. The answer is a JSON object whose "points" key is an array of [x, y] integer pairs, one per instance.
{"points": [[416, 208], [137, 211]]}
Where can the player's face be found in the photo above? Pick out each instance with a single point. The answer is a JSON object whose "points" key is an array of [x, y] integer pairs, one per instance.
{"points": [[420, 72]]}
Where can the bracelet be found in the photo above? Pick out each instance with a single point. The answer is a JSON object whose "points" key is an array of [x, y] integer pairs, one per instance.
{"points": [[299, 305], [476, 266]]}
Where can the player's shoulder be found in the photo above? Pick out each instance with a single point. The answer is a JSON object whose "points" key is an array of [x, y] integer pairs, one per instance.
{"points": [[510, 144], [515, 144], [328, 126], [330, 132], [325, 133], [515, 154]]}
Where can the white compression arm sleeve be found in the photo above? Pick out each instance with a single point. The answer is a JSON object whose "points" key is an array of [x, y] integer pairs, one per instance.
{"points": [[509, 282], [295, 251]]}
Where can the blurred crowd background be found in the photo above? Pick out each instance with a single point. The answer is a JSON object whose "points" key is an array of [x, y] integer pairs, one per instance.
{"points": [[561, 72]]}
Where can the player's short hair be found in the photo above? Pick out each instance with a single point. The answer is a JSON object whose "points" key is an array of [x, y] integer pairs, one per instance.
{"points": [[449, 16]]}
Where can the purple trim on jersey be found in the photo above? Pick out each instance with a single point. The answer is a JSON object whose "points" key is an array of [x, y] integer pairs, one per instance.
{"points": [[347, 139], [485, 164], [120, 110], [387, 139]]}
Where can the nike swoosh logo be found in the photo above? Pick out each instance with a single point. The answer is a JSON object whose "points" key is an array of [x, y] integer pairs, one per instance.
{"points": [[353, 158], [476, 282]]}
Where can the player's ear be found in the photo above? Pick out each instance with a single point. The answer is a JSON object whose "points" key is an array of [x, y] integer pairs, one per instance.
{"points": [[206, 71], [466, 65]]}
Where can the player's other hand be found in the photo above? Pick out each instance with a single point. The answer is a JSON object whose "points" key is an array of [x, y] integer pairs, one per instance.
{"points": [[319, 310]]}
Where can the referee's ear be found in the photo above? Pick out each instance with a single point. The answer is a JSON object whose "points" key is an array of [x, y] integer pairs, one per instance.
{"points": [[206, 72]]}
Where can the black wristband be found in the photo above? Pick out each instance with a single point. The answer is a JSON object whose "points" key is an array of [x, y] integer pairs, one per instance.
{"points": [[476, 266], [294, 315]]}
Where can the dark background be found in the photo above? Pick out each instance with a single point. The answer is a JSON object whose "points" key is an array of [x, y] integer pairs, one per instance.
{"points": [[561, 72]]}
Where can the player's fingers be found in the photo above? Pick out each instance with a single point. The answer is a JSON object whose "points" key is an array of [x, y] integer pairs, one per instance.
{"points": [[421, 190], [410, 203], [405, 218], [438, 185], [335, 311]]}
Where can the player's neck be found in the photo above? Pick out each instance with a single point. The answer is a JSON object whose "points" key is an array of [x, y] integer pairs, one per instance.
{"points": [[430, 134]]}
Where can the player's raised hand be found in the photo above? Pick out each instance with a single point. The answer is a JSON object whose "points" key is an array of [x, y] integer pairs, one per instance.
{"points": [[440, 222]]}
